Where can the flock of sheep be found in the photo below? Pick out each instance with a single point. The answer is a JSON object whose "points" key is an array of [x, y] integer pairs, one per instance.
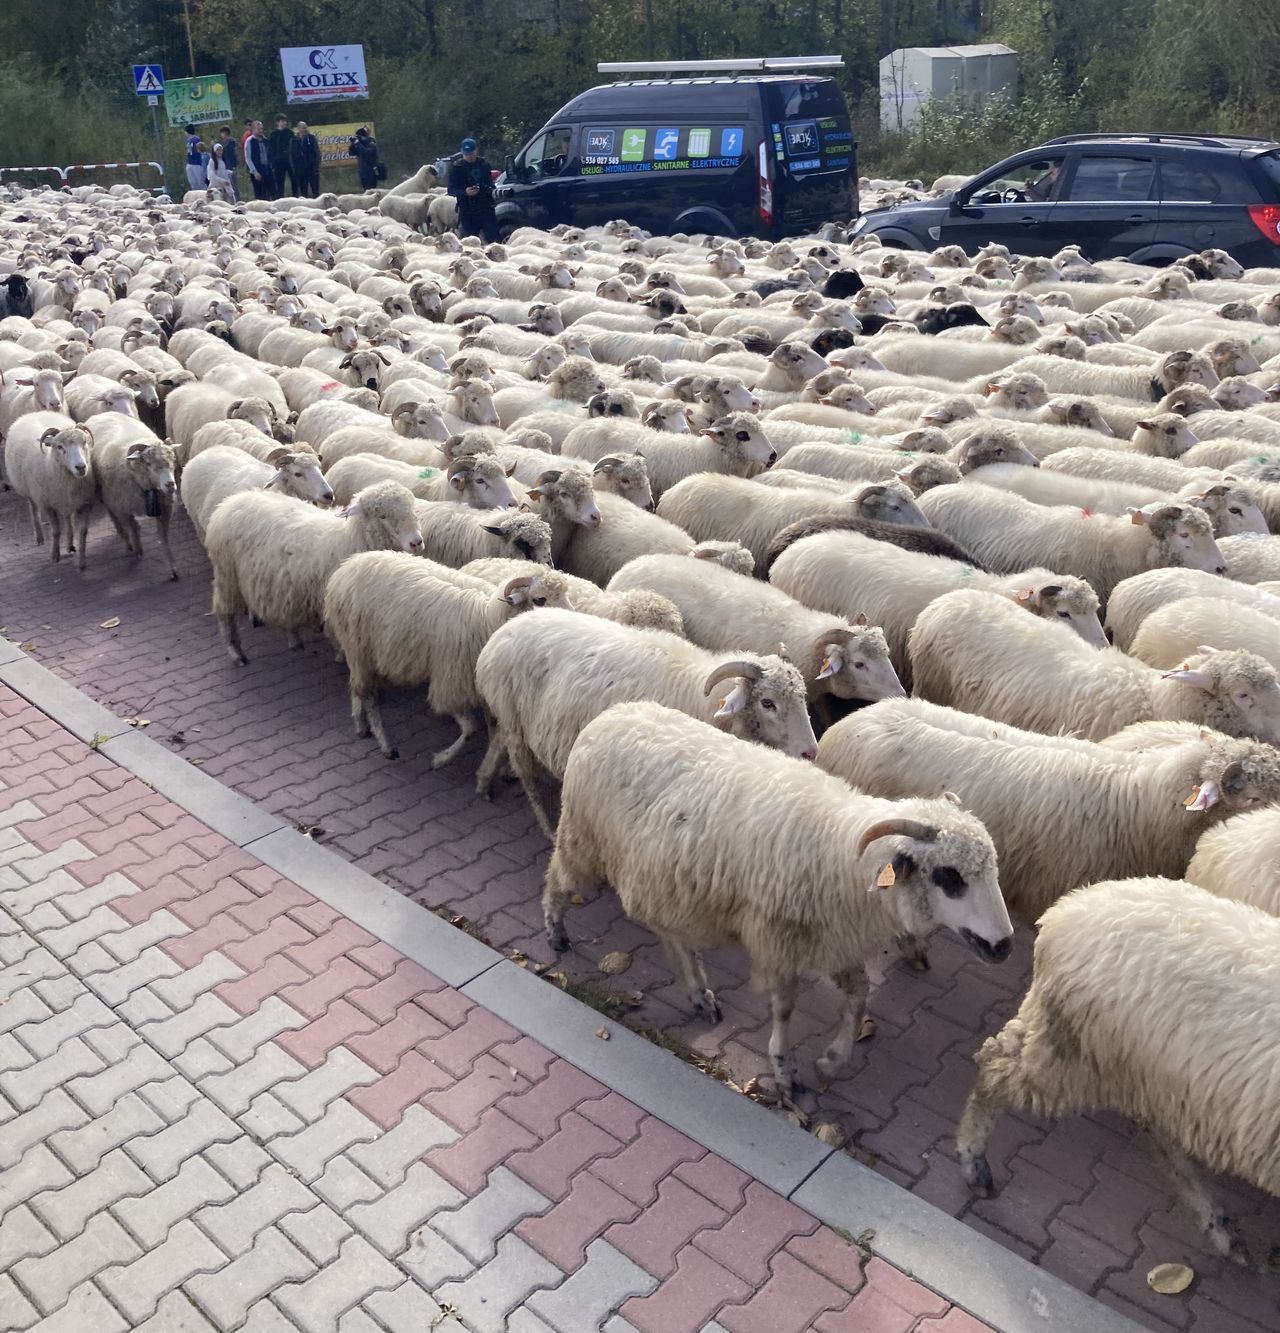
{"points": [[656, 508]]}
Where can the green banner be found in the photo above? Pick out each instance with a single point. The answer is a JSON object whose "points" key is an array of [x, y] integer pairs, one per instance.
{"points": [[197, 101]]}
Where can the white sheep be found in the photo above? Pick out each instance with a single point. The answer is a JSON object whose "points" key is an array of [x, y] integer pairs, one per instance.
{"points": [[1134, 599], [624, 532], [47, 462], [662, 807], [848, 574], [1251, 558], [1126, 973], [975, 651], [479, 481], [1009, 533], [1176, 631], [1238, 859], [638, 607], [724, 610], [273, 557], [225, 470], [1060, 815], [191, 406], [541, 689], [715, 507], [134, 474], [455, 534], [402, 621]]}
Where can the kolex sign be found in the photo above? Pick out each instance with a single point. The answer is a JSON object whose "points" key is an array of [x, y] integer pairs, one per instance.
{"points": [[323, 73]]}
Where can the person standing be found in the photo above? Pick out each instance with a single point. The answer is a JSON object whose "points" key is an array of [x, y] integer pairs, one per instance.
{"points": [[278, 152], [364, 148], [258, 160], [471, 185], [197, 178], [218, 174], [245, 136], [304, 162], [229, 157]]}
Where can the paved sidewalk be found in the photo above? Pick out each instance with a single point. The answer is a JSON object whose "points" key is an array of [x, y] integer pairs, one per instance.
{"points": [[226, 1106]]}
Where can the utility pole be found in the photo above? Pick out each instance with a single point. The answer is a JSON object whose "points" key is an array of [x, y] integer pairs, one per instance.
{"points": [[191, 55]]}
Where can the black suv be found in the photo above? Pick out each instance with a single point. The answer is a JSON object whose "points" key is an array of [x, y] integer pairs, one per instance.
{"points": [[1151, 198]]}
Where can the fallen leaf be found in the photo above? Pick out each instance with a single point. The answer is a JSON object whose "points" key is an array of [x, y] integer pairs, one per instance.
{"points": [[1170, 1279], [603, 1033], [633, 999], [577, 899], [798, 1117], [558, 979], [832, 1135], [868, 1028], [197, 763], [752, 1087], [110, 624], [614, 963], [138, 721], [29, 646]]}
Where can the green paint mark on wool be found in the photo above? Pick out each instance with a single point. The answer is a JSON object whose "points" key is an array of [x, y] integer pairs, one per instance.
{"points": [[428, 472], [853, 437]]}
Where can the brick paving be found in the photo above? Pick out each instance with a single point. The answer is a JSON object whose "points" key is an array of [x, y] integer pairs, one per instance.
{"points": [[314, 1133], [1081, 1198]]}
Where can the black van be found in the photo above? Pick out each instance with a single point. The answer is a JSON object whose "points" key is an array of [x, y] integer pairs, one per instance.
{"points": [[768, 153]]}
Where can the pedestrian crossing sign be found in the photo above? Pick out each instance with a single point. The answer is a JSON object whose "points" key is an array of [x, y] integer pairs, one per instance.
{"points": [[148, 79]]}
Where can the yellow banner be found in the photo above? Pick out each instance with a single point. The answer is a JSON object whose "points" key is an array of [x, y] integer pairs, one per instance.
{"points": [[334, 140]]}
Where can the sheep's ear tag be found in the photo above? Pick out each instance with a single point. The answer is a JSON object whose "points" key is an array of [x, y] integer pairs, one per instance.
{"points": [[1203, 797], [1025, 595], [428, 472], [886, 879]]}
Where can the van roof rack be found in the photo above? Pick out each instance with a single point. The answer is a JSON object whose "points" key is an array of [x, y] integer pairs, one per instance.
{"points": [[755, 65], [1143, 136]]}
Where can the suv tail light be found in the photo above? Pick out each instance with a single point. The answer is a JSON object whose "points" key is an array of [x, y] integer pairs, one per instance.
{"points": [[1266, 217], [764, 184]]}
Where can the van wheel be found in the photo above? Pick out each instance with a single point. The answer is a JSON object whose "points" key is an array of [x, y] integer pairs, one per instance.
{"points": [[505, 230], [703, 223]]}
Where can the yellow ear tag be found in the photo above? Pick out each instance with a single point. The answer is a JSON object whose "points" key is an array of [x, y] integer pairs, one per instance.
{"points": [[886, 878], [826, 665], [1193, 798]]}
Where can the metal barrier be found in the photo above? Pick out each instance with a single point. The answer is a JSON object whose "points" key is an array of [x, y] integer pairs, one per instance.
{"points": [[60, 172], [114, 166]]}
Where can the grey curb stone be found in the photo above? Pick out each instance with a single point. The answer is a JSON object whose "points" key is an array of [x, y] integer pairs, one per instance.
{"points": [[981, 1276], [418, 934], [225, 811], [67, 705], [971, 1270], [766, 1147]]}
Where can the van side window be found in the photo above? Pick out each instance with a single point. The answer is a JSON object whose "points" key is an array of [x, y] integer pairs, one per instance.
{"points": [[547, 155]]}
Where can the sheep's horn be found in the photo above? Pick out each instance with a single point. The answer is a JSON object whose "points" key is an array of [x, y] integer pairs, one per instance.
{"points": [[546, 478], [458, 465], [523, 581], [892, 828], [731, 670], [605, 463]]}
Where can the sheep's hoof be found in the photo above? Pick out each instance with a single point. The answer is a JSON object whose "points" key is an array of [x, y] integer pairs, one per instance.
{"points": [[829, 1066], [392, 752], [254, 621], [978, 1174], [919, 961], [708, 1006], [239, 658], [557, 936]]}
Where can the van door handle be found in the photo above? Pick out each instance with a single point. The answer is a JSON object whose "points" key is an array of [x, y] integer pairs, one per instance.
{"points": [[1134, 218], [1028, 222]]}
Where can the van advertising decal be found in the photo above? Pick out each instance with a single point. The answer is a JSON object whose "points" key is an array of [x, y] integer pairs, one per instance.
{"points": [[610, 151]]}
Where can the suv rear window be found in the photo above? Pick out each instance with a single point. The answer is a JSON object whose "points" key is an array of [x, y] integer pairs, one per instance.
{"points": [[1267, 167], [1189, 180]]}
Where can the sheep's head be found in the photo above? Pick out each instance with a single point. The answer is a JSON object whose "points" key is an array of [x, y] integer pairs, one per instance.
{"points": [[852, 662], [467, 445], [741, 438], [725, 264], [724, 394], [151, 467], [387, 518], [797, 362], [1171, 285], [646, 369], [935, 865], [1017, 330], [663, 304], [143, 385], [856, 358], [1019, 303], [948, 410], [480, 481], [1163, 435], [1183, 536], [614, 289], [821, 385], [1237, 395], [765, 703], [46, 389], [298, 474], [470, 366], [1032, 271], [70, 445], [1018, 389], [544, 587], [624, 475], [538, 365], [1231, 356], [576, 380], [887, 502], [1063, 599], [544, 319], [566, 497], [1232, 507], [473, 402], [729, 555], [994, 268], [1233, 691], [850, 398], [613, 403], [1186, 400], [926, 473], [1078, 412], [521, 536], [256, 411], [992, 444], [949, 256], [873, 301]]}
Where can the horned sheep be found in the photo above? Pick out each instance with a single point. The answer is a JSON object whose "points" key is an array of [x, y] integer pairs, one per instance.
{"points": [[134, 473], [47, 462], [1136, 598], [223, 470], [542, 687], [653, 805]]}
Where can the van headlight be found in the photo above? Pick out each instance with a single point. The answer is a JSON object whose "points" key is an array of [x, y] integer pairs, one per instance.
{"points": [[858, 226]]}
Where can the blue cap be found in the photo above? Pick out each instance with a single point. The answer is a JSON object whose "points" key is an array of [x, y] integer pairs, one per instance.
{"points": [[468, 145]]}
